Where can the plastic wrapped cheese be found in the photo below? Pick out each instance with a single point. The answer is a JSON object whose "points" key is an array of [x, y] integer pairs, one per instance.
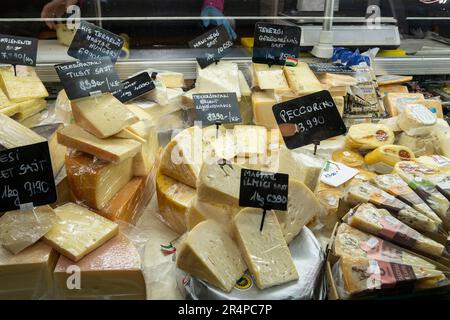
{"points": [[383, 159], [416, 120], [368, 136], [436, 162]]}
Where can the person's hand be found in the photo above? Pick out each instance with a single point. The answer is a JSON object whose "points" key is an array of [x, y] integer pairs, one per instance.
{"points": [[216, 18], [55, 9]]}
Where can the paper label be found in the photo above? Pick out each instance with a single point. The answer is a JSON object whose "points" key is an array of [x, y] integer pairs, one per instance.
{"points": [[335, 174], [398, 232]]}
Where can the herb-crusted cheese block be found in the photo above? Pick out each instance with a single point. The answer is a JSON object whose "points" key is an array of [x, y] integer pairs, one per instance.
{"points": [[266, 252], [208, 253]]}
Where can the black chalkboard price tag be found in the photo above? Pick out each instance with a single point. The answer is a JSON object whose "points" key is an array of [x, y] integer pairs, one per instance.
{"points": [[85, 78], [92, 42], [265, 190], [26, 176], [275, 42], [211, 46], [308, 119], [18, 50], [134, 87], [217, 108]]}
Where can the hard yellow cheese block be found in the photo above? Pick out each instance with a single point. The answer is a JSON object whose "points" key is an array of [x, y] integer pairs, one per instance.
{"points": [[26, 85], [112, 271], [265, 252], [171, 79], [383, 159], [79, 231], [208, 253], [301, 79], [270, 77], [13, 134], [262, 102]]}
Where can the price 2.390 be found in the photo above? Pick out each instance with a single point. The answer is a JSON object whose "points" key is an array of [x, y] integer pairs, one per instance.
{"points": [[310, 123]]}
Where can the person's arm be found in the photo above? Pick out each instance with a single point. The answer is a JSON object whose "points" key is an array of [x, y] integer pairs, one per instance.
{"points": [[212, 14], [55, 9]]}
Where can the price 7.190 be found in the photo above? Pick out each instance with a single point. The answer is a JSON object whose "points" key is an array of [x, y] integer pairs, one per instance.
{"points": [[310, 123]]}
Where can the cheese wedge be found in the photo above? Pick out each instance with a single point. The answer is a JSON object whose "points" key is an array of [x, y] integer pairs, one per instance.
{"points": [[351, 242], [94, 182], [243, 85], [79, 231], [220, 77], [209, 254], [102, 116], [26, 85], [262, 102], [171, 79], [174, 199], [265, 252], [416, 120], [367, 136], [383, 159], [367, 193], [21, 229], [112, 149], [251, 141], [144, 161], [395, 102], [28, 274], [436, 162], [301, 79], [13, 134], [112, 271], [381, 223], [270, 77]]}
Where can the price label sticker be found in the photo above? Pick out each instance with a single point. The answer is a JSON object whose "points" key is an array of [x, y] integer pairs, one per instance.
{"points": [[26, 176], [308, 119], [265, 190], [213, 108], [211, 46], [92, 42], [135, 87], [274, 43], [330, 68], [84, 78], [18, 50]]}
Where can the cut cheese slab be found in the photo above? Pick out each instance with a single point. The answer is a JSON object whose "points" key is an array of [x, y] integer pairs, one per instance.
{"points": [[443, 141], [303, 207], [250, 140], [209, 254], [112, 271], [171, 79], [57, 151], [219, 77], [21, 229], [174, 199], [369, 136], [262, 103], [380, 222], [94, 182], [243, 85], [26, 85], [79, 231], [351, 242], [28, 274], [421, 146], [383, 159], [144, 161], [265, 252], [395, 102], [102, 116], [436, 162], [111, 149], [416, 120], [13, 134], [301, 79], [270, 77], [128, 203]]}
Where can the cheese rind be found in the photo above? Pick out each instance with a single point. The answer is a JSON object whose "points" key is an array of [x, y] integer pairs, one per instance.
{"points": [[79, 231], [265, 252], [21, 229], [208, 253], [111, 149]]}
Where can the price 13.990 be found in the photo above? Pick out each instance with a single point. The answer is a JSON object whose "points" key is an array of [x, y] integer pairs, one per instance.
{"points": [[309, 124]]}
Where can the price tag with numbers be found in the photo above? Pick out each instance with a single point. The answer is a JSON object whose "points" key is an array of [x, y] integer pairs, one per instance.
{"points": [[274, 43], [308, 119], [84, 78], [18, 50], [26, 176], [135, 87], [214, 108]]}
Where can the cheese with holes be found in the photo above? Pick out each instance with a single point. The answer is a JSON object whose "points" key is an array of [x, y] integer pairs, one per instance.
{"points": [[262, 102], [111, 149], [270, 77], [436, 162], [26, 85], [369, 136], [351, 242], [111, 272], [171, 79], [383, 159], [28, 274], [394, 185], [301, 79], [21, 229], [420, 146], [79, 231], [220, 77], [265, 252], [127, 204], [174, 199], [416, 120], [367, 193], [209, 254], [303, 207], [380, 222], [94, 182], [102, 116], [13, 134]]}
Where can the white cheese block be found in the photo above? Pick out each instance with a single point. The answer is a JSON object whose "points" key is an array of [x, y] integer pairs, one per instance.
{"points": [[262, 102], [209, 254], [79, 231], [270, 77], [21, 229], [243, 85], [102, 116], [251, 141], [220, 77], [266, 252], [443, 137], [158, 94], [420, 146], [171, 79], [416, 120], [25, 85]]}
